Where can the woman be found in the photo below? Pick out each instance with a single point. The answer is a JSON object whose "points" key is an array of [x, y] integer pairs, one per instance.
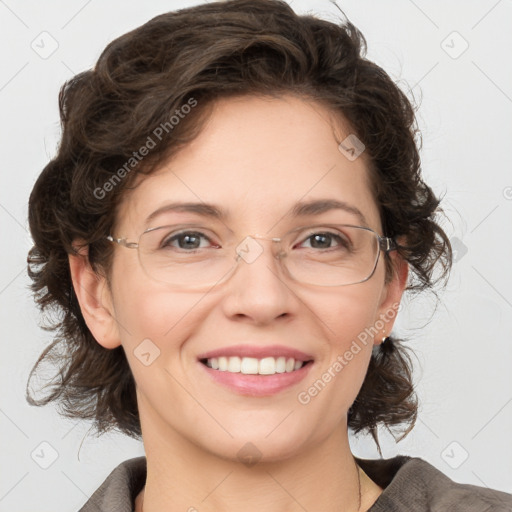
{"points": [[233, 216]]}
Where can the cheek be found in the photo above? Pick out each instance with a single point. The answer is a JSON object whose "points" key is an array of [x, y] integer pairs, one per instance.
{"points": [[348, 322], [347, 314], [145, 308], [155, 325], [154, 320], [350, 351]]}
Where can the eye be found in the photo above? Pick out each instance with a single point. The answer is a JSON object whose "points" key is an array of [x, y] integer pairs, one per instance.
{"points": [[186, 240], [326, 239]]}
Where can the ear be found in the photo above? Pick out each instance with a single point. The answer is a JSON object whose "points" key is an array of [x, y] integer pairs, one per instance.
{"points": [[94, 297], [391, 296]]}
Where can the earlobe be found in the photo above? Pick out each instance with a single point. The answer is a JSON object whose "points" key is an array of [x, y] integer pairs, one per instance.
{"points": [[94, 298]]}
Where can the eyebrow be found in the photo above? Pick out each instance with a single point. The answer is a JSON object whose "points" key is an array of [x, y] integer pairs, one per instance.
{"points": [[300, 209], [316, 207]]}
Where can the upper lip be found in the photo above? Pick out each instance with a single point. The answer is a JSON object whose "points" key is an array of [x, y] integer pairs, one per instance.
{"points": [[257, 351]]}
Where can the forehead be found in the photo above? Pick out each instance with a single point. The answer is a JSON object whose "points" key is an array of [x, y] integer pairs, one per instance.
{"points": [[256, 158]]}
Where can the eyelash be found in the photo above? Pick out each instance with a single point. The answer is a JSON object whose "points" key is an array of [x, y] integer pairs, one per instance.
{"points": [[165, 242]]}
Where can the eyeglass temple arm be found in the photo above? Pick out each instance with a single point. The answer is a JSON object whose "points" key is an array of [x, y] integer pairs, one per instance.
{"points": [[123, 241], [387, 244]]}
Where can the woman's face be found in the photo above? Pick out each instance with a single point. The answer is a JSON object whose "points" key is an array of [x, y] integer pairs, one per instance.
{"points": [[255, 159]]}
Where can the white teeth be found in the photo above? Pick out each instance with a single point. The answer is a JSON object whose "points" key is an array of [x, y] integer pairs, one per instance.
{"points": [[254, 366], [249, 366], [234, 364], [267, 366], [281, 364]]}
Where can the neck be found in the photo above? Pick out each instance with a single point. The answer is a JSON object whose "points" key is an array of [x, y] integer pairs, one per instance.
{"points": [[182, 476]]}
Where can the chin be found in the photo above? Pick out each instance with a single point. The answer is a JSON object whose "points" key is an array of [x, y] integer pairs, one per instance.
{"points": [[259, 445]]}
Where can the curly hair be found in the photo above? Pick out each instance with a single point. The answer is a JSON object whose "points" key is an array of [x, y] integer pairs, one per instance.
{"points": [[191, 57]]}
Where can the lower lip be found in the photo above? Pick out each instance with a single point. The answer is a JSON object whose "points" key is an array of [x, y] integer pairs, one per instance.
{"points": [[257, 385]]}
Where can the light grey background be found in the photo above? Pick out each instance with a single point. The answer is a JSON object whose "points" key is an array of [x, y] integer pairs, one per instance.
{"points": [[463, 376]]}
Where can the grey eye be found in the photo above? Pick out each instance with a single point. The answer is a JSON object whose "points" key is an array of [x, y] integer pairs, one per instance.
{"points": [[185, 240]]}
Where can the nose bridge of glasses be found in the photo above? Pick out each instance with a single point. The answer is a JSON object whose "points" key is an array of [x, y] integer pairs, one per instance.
{"points": [[261, 237], [250, 249]]}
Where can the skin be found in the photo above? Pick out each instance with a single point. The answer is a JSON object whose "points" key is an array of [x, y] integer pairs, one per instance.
{"points": [[256, 157]]}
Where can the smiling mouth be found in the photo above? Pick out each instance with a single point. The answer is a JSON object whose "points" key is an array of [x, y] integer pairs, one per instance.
{"points": [[255, 366]]}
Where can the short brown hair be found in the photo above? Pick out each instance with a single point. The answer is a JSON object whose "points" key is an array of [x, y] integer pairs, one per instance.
{"points": [[200, 54]]}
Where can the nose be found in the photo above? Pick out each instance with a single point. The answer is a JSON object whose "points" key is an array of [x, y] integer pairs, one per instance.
{"points": [[259, 289]]}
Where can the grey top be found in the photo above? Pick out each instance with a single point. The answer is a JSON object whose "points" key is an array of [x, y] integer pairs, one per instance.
{"points": [[410, 485]]}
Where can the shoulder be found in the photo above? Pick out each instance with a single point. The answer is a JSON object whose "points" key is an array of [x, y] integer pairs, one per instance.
{"points": [[412, 484], [117, 493]]}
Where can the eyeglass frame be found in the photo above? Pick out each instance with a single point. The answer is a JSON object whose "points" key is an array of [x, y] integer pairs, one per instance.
{"points": [[385, 244]]}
